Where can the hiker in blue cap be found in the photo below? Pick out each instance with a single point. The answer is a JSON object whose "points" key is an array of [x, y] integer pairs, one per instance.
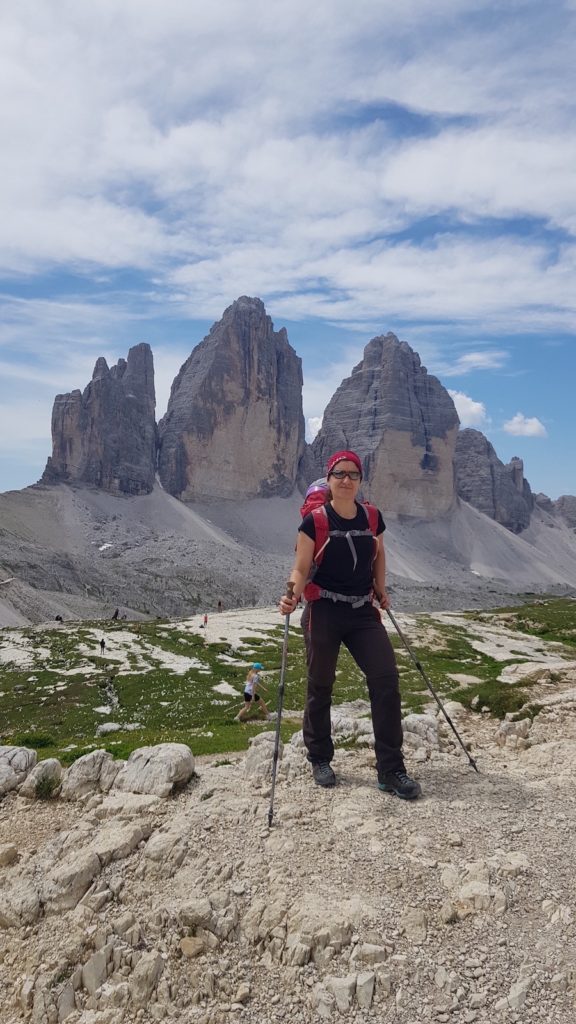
{"points": [[251, 696]]}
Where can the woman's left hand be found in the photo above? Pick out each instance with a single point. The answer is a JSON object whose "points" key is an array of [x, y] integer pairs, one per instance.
{"points": [[384, 600]]}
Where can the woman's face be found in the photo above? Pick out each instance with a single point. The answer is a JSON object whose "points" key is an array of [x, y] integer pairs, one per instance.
{"points": [[344, 488]]}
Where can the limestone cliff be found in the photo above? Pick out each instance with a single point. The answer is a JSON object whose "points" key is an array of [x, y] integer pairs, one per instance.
{"points": [[498, 490], [234, 427], [565, 506], [106, 435], [403, 424]]}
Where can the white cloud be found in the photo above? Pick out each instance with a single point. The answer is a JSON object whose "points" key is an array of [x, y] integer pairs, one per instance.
{"points": [[525, 426], [242, 173], [235, 148], [470, 412], [313, 424]]}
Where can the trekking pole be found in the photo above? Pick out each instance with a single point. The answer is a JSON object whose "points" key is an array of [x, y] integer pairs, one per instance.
{"points": [[289, 594], [431, 688]]}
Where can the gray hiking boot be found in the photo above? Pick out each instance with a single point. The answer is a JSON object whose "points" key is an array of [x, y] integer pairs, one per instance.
{"points": [[323, 774], [400, 784]]}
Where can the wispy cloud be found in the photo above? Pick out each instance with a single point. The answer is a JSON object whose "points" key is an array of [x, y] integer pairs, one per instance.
{"points": [[489, 359], [525, 426]]}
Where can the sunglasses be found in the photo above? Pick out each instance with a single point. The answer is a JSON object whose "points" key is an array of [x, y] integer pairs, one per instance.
{"points": [[340, 474]]}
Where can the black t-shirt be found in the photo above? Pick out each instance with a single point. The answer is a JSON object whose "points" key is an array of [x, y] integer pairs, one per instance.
{"points": [[337, 571]]}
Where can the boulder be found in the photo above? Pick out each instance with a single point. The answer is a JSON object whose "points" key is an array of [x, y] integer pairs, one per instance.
{"points": [[70, 879], [19, 905], [156, 770], [15, 765], [93, 772], [260, 757], [43, 781]]}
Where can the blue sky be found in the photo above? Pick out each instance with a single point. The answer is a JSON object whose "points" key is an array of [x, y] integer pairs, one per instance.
{"points": [[361, 168]]}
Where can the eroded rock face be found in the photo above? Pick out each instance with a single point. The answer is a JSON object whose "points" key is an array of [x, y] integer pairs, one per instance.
{"points": [[498, 490], [401, 421], [106, 435], [234, 426], [565, 506]]}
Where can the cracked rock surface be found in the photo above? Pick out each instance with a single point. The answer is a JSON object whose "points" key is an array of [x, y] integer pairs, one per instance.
{"points": [[118, 907]]}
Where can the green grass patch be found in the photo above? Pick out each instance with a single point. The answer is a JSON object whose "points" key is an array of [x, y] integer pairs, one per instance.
{"points": [[57, 703]]}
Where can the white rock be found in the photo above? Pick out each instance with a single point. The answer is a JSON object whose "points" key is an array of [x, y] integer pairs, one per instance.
{"points": [[8, 854], [70, 879], [126, 805], [423, 726], [365, 983], [196, 912], [15, 764], [8, 778], [474, 896], [508, 731], [415, 925], [114, 842], [108, 727], [156, 770], [44, 780], [517, 994], [145, 977], [94, 971], [514, 863], [91, 772], [323, 1002], [19, 905], [259, 760], [342, 989], [369, 953]]}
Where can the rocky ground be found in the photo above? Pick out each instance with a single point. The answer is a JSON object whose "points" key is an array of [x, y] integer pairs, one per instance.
{"points": [[117, 907]]}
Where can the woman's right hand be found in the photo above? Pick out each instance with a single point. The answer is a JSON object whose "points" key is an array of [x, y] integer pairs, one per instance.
{"points": [[287, 604]]}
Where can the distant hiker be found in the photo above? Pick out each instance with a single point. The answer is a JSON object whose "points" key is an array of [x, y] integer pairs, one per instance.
{"points": [[59, 618], [205, 620], [251, 696], [219, 606], [116, 613], [340, 548], [102, 645]]}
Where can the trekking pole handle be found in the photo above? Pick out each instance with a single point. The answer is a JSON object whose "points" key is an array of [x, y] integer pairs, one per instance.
{"points": [[290, 589]]}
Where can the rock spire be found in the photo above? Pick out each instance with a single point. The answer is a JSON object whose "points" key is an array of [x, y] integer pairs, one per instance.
{"points": [[403, 424], [498, 490], [106, 435], [234, 427]]}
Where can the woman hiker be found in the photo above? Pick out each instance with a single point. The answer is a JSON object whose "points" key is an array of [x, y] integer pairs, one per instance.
{"points": [[350, 573]]}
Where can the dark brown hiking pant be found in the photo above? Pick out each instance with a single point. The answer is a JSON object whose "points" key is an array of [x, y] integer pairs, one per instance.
{"points": [[326, 625]]}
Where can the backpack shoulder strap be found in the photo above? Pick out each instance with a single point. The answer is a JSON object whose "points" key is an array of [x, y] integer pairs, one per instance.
{"points": [[372, 514], [321, 532]]}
